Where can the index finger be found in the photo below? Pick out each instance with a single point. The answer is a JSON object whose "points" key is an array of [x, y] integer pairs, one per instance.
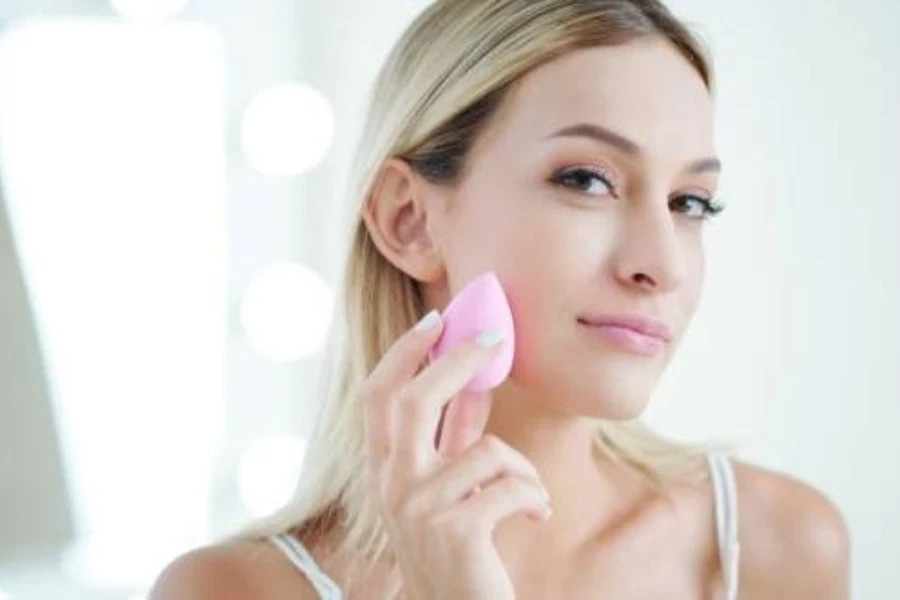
{"points": [[397, 366], [405, 356]]}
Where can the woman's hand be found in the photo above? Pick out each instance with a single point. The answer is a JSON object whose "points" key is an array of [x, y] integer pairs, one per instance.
{"points": [[440, 507]]}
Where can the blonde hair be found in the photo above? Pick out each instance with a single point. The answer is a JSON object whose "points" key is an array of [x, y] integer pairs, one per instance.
{"points": [[436, 91]]}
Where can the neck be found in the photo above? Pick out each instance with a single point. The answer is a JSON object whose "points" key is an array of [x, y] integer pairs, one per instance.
{"points": [[589, 493]]}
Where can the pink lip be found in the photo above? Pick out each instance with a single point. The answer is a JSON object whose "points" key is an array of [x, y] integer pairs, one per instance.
{"points": [[632, 333], [646, 327]]}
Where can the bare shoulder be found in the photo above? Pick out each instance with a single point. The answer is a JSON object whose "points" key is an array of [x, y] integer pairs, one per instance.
{"points": [[234, 570], [794, 540]]}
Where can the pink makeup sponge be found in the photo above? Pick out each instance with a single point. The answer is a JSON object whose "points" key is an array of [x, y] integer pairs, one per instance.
{"points": [[480, 306]]}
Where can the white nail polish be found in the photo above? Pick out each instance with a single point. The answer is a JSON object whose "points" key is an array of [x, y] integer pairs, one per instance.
{"points": [[429, 321]]}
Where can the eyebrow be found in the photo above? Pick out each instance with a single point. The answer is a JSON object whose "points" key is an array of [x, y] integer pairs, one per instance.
{"points": [[607, 136]]}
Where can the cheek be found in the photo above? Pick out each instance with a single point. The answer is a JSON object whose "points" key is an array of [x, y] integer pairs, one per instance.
{"points": [[695, 274], [528, 256], [543, 258], [547, 268], [504, 233]]}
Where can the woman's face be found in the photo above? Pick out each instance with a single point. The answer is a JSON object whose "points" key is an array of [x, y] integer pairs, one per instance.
{"points": [[603, 221]]}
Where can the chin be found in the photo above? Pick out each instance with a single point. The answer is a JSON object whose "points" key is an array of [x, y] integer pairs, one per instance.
{"points": [[603, 400], [613, 405], [616, 393], [609, 385]]}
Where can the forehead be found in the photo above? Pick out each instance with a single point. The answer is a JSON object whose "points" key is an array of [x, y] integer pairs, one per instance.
{"points": [[645, 90]]}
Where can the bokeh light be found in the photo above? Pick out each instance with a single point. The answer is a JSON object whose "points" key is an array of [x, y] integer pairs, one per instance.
{"points": [[287, 129], [286, 312]]}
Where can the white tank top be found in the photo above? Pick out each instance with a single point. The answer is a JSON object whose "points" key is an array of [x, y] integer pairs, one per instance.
{"points": [[724, 488]]}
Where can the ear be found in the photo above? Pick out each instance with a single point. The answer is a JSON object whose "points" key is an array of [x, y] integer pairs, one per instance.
{"points": [[396, 213]]}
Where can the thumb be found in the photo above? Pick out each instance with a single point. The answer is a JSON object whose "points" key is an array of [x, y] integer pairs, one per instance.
{"points": [[464, 422]]}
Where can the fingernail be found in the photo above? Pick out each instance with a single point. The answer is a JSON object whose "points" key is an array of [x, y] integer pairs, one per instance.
{"points": [[429, 321], [489, 338]]}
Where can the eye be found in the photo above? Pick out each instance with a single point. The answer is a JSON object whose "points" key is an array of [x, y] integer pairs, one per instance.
{"points": [[584, 180], [696, 207]]}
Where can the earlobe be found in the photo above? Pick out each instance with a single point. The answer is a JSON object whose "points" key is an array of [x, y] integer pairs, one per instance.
{"points": [[396, 216]]}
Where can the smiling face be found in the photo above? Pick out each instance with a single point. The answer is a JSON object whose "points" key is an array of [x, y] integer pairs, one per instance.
{"points": [[605, 219]]}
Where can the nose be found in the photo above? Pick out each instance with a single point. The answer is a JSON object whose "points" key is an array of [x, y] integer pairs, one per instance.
{"points": [[649, 256]]}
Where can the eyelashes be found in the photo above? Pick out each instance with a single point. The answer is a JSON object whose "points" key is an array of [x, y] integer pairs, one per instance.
{"points": [[709, 207], [575, 178]]}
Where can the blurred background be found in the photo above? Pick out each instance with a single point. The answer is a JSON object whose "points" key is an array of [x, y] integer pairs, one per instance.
{"points": [[172, 219]]}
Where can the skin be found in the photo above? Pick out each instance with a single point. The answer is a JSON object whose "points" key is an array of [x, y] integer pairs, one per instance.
{"points": [[563, 249]]}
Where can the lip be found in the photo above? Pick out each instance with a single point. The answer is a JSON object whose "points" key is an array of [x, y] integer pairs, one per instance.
{"points": [[643, 326], [629, 332]]}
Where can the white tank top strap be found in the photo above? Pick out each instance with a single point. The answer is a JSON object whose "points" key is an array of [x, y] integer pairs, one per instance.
{"points": [[725, 490], [297, 553]]}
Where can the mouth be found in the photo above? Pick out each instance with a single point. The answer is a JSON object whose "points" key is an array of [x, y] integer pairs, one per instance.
{"points": [[635, 334]]}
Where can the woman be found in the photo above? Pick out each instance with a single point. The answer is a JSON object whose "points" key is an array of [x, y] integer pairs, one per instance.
{"points": [[566, 145]]}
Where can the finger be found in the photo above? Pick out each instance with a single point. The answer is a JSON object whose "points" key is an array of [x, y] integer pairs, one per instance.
{"points": [[417, 407], [502, 498], [403, 359], [480, 464], [464, 422], [397, 365]]}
